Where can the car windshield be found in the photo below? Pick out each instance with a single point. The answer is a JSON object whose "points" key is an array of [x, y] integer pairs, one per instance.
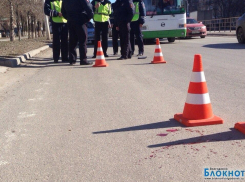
{"points": [[90, 25], [191, 21]]}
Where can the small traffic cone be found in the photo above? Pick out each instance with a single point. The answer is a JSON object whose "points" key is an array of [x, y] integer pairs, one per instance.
{"points": [[198, 109], [100, 59], [240, 126], [158, 57]]}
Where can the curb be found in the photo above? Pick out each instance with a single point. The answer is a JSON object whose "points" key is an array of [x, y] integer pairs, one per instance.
{"points": [[221, 33], [13, 62]]}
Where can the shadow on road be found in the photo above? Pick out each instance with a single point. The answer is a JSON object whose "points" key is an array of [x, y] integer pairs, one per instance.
{"points": [[164, 124], [217, 137], [225, 46], [37, 62]]}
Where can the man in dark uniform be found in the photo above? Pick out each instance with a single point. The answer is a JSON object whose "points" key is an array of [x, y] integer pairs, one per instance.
{"points": [[52, 8], [102, 10], [78, 13], [136, 25], [115, 32], [124, 12]]}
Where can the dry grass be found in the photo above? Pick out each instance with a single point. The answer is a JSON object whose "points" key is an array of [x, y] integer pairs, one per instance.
{"points": [[12, 49]]}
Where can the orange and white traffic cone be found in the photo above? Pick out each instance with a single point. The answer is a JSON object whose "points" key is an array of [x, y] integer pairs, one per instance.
{"points": [[100, 59], [198, 109], [158, 57], [240, 126]]}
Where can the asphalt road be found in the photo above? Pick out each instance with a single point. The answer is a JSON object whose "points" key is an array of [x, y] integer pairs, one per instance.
{"points": [[80, 123]]}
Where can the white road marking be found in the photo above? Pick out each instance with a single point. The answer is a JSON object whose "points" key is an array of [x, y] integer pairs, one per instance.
{"points": [[26, 115]]}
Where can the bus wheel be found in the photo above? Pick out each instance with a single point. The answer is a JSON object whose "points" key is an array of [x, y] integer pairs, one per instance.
{"points": [[172, 39]]}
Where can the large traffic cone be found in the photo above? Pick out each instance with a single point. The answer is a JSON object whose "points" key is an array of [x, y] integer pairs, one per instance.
{"points": [[100, 59], [198, 109], [240, 126], [158, 57]]}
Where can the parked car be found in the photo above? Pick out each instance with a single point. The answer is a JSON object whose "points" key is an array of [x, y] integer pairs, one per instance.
{"points": [[3, 34], [90, 28], [110, 32], [240, 29], [50, 29], [195, 28]]}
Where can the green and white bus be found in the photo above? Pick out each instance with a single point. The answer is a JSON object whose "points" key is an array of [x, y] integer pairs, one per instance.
{"points": [[164, 21]]}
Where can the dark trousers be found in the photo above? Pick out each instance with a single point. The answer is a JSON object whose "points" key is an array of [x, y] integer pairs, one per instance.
{"points": [[77, 33], [136, 32], [115, 36], [60, 41], [101, 27], [124, 31]]}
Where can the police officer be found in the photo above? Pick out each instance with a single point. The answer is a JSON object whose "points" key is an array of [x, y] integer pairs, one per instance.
{"points": [[115, 32], [102, 10], [52, 8], [124, 12], [136, 25], [78, 13]]}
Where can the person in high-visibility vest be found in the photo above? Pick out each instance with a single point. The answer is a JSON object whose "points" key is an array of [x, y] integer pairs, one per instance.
{"points": [[102, 11], [137, 22], [52, 8]]}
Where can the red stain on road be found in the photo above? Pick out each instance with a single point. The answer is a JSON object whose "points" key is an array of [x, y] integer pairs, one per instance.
{"points": [[172, 130], [162, 134]]}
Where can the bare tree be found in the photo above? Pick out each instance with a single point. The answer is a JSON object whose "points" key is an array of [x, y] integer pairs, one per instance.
{"points": [[228, 8], [25, 14]]}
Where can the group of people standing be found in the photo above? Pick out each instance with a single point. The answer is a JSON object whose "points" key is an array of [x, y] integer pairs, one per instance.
{"points": [[125, 17]]}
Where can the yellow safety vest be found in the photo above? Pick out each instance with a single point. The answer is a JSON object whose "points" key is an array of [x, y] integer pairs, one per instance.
{"points": [[56, 5], [136, 12], [102, 13]]}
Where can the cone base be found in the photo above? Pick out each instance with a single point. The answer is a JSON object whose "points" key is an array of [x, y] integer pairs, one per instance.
{"points": [[100, 65], [201, 122], [240, 126], [158, 62]]}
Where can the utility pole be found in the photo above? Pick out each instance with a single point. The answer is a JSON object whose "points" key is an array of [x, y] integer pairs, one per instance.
{"points": [[47, 25]]}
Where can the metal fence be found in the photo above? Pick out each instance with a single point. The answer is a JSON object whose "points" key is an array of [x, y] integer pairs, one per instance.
{"points": [[223, 24]]}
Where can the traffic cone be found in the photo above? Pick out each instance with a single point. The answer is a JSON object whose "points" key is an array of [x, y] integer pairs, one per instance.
{"points": [[240, 126], [100, 59], [158, 57], [198, 109]]}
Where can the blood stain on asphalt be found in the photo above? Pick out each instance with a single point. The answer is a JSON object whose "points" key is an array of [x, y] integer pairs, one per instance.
{"points": [[162, 134], [172, 130]]}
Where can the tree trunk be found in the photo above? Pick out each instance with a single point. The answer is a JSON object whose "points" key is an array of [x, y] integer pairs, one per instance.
{"points": [[22, 25], [12, 37], [29, 26], [32, 28], [35, 27], [38, 28]]}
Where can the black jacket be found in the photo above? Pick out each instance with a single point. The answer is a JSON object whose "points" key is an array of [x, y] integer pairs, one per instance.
{"points": [[142, 12], [48, 11], [112, 16], [78, 11], [123, 11]]}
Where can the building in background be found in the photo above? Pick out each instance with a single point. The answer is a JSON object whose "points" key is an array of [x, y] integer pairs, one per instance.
{"points": [[214, 9]]}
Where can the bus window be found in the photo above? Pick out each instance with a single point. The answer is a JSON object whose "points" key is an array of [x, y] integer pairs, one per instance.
{"points": [[162, 7]]}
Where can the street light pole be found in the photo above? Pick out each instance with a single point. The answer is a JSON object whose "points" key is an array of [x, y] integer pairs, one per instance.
{"points": [[47, 25]]}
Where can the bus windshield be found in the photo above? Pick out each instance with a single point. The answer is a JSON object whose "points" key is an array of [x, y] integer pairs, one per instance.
{"points": [[163, 7]]}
